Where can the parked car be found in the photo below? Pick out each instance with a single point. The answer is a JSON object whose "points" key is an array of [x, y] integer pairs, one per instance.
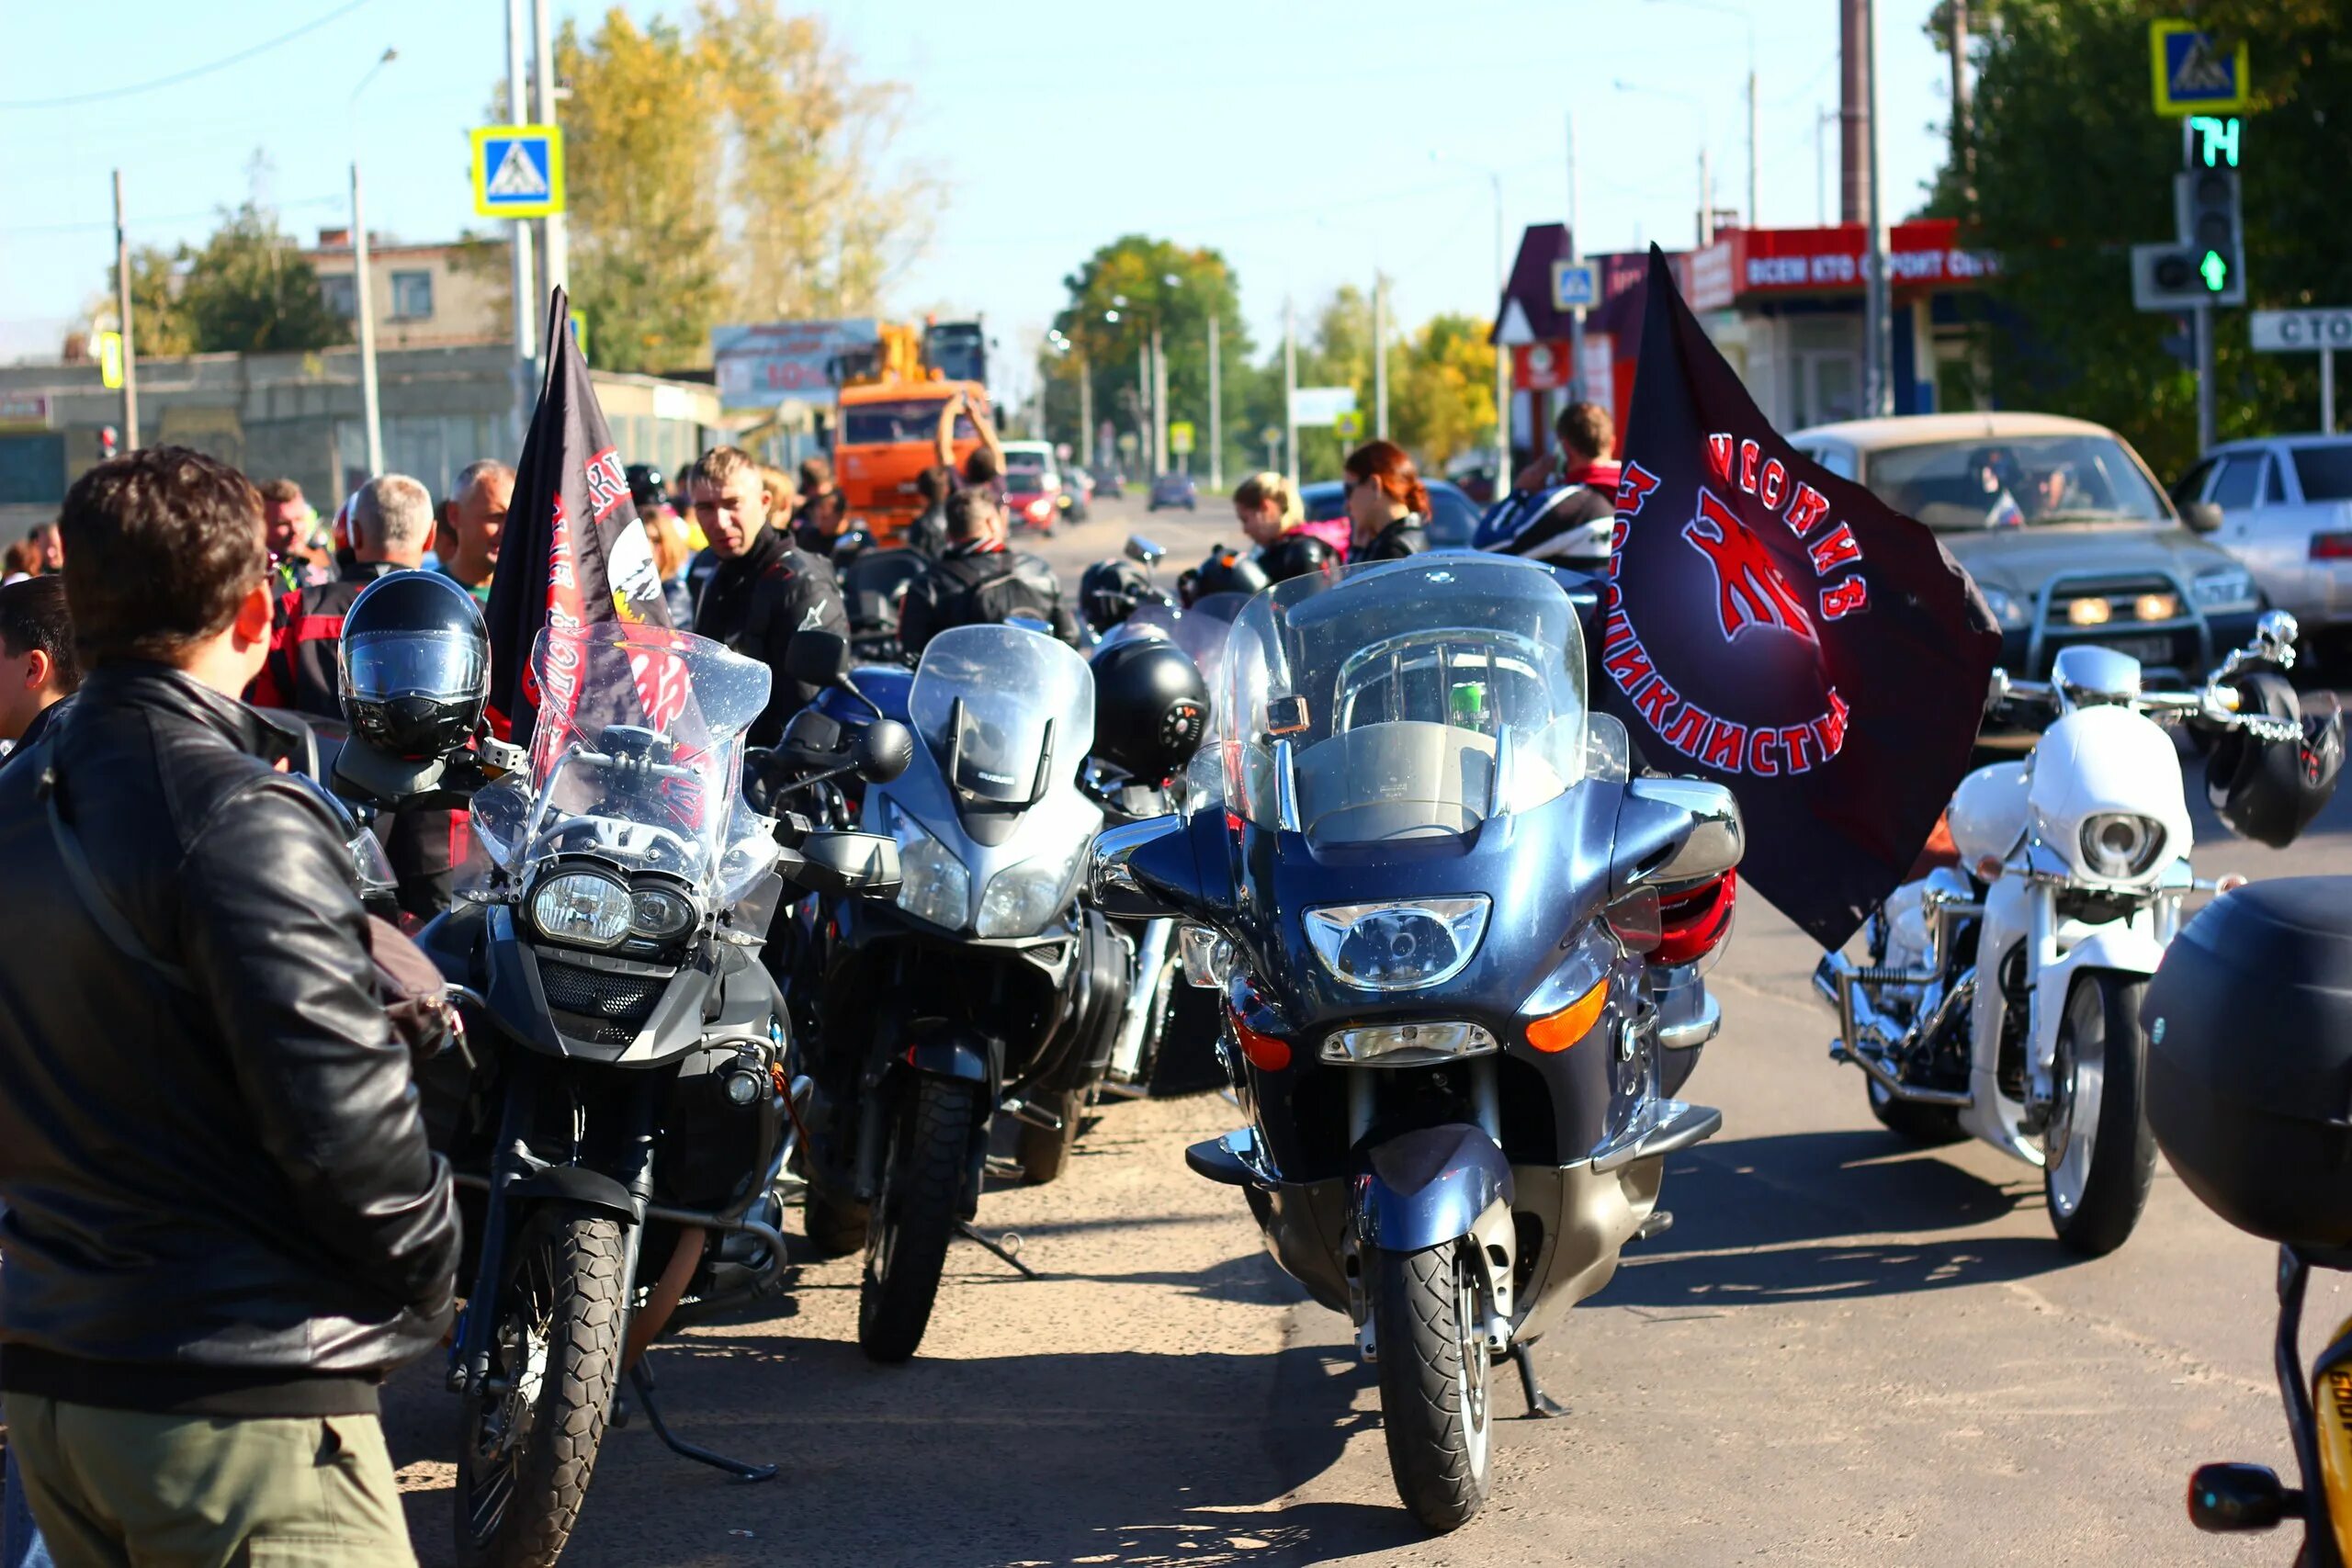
{"points": [[1030, 498], [1453, 516], [2065, 530], [1033, 457], [1175, 489], [2286, 513]]}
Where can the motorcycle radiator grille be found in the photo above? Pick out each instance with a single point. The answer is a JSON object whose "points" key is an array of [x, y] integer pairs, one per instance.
{"points": [[605, 1010]]}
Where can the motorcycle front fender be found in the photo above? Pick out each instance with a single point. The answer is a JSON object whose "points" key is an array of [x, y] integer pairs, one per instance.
{"points": [[956, 1052], [576, 1184], [2129, 946], [1428, 1186]]}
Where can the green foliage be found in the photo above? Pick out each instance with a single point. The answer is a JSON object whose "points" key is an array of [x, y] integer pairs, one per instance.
{"points": [[2072, 166], [1137, 269], [249, 289], [159, 321]]}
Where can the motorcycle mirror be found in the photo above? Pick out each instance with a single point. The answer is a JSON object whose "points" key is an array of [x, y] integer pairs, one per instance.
{"points": [[1112, 884], [816, 658], [863, 864], [1671, 831], [2225, 1498], [2202, 516], [884, 750], [1142, 549], [851, 546]]}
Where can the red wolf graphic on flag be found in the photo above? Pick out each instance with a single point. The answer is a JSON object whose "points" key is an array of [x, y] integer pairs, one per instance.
{"points": [[1750, 591]]}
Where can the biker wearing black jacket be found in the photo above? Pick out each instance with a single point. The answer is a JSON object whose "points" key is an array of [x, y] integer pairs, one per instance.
{"points": [[980, 582], [755, 602]]}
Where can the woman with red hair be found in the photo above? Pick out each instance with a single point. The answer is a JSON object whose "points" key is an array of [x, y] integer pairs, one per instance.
{"points": [[1387, 504]]}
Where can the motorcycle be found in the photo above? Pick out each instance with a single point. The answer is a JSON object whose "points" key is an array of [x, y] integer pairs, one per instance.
{"points": [[2001, 995], [985, 988], [633, 1087], [2249, 1021], [1418, 873]]}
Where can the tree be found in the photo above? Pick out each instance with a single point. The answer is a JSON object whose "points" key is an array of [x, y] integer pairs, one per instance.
{"points": [[641, 151], [1444, 402], [1115, 297], [822, 234], [2071, 169], [159, 321], [744, 107], [248, 289]]}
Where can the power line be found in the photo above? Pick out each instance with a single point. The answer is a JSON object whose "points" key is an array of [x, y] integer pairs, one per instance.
{"points": [[189, 75], [142, 222]]}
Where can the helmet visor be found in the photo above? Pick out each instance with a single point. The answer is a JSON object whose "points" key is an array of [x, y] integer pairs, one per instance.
{"points": [[384, 666]]}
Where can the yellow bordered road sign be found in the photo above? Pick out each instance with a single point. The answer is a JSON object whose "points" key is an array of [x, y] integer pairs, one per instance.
{"points": [[2193, 74], [518, 170]]}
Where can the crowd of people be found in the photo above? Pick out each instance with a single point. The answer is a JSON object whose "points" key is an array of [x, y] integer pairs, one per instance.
{"points": [[222, 1225]]}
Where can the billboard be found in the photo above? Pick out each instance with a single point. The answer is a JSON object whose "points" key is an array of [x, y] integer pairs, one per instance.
{"points": [[762, 364]]}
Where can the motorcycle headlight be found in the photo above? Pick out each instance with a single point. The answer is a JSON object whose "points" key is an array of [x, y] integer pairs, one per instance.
{"points": [[657, 914], [1022, 899], [2007, 608], [932, 884], [2121, 844], [1398, 946], [583, 908], [2224, 588]]}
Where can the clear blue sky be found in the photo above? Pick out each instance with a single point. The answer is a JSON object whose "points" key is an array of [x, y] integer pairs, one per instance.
{"points": [[1310, 142]]}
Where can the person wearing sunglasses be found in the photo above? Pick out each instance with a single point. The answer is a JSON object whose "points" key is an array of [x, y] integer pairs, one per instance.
{"points": [[1388, 507]]}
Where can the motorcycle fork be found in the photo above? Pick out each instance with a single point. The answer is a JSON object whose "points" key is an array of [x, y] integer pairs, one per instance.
{"points": [[2041, 939]]}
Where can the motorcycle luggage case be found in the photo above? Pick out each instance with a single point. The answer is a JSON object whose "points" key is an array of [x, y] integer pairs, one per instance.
{"points": [[2249, 1029]]}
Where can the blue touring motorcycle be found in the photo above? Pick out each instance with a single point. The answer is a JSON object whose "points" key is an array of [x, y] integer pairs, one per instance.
{"points": [[1417, 868]]}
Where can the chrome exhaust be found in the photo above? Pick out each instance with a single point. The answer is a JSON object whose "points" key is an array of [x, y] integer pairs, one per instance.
{"points": [[1868, 1039]]}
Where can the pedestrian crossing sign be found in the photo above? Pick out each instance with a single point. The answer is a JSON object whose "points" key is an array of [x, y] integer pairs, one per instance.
{"points": [[2194, 73], [518, 170]]}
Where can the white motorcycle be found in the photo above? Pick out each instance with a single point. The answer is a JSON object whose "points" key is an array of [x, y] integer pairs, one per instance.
{"points": [[2001, 1000]]}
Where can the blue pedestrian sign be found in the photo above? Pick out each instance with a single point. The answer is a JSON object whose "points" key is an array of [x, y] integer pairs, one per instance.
{"points": [[518, 170], [2194, 73], [1573, 284]]}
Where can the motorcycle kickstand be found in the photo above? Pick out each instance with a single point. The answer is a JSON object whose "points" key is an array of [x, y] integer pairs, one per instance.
{"points": [[971, 1232], [641, 1378], [1541, 1406]]}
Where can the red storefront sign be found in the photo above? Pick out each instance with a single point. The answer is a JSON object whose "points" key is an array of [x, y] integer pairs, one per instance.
{"points": [[1744, 262], [1540, 367]]}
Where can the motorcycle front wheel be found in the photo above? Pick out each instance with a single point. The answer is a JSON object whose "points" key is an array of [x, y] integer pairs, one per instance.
{"points": [[532, 1431], [1434, 1382], [914, 1215], [2098, 1156]]}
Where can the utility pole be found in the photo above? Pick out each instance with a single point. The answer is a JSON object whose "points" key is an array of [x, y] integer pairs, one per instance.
{"points": [[1575, 256], [1822, 121], [1143, 410], [1217, 406], [1879, 374], [1963, 151], [1706, 200], [122, 317], [1753, 221], [527, 331], [1853, 113], [1158, 400], [559, 247], [1502, 354], [1290, 392], [1380, 356], [1085, 411], [371, 413]]}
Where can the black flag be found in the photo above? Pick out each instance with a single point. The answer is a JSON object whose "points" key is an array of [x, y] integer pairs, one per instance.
{"points": [[574, 553], [1780, 630]]}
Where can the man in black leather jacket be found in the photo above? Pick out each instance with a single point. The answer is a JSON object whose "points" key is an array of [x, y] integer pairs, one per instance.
{"points": [[765, 589], [980, 580], [222, 1225]]}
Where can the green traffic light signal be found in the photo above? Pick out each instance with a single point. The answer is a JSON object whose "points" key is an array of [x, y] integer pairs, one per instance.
{"points": [[2216, 271]]}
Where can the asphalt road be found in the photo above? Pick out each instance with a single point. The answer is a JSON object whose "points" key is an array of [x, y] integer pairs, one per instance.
{"points": [[1845, 1351]]}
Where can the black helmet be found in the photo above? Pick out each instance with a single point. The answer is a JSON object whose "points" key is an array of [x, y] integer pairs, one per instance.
{"points": [[1226, 571], [1296, 554], [415, 665], [2270, 790], [2249, 1029], [645, 486], [1151, 707], [1109, 590]]}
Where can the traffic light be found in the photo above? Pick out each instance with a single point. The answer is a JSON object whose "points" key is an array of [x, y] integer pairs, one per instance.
{"points": [[2207, 200], [109, 443]]}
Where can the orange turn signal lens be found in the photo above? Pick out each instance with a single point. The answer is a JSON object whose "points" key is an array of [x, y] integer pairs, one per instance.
{"points": [[1572, 1022]]}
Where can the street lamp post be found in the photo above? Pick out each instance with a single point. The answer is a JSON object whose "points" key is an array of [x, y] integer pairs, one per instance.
{"points": [[371, 410]]}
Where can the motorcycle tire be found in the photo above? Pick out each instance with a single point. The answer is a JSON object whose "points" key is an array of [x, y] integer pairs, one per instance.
{"points": [[2095, 1192], [562, 1304], [1928, 1126], [1044, 1154], [914, 1217], [1436, 1409], [835, 1227]]}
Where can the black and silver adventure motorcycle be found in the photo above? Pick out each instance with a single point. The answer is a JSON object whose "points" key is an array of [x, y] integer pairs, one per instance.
{"points": [[1426, 887], [632, 1090]]}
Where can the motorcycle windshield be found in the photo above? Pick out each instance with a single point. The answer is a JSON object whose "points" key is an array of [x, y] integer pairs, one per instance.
{"points": [[637, 759], [1003, 711], [1404, 700]]}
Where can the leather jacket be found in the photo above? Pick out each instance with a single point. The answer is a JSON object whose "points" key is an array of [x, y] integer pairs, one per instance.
{"points": [[756, 602], [980, 587], [218, 1183], [1405, 537]]}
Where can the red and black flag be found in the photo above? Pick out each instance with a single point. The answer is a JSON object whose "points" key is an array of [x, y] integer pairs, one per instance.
{"points": [[574, 554], [1780, 630]]}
